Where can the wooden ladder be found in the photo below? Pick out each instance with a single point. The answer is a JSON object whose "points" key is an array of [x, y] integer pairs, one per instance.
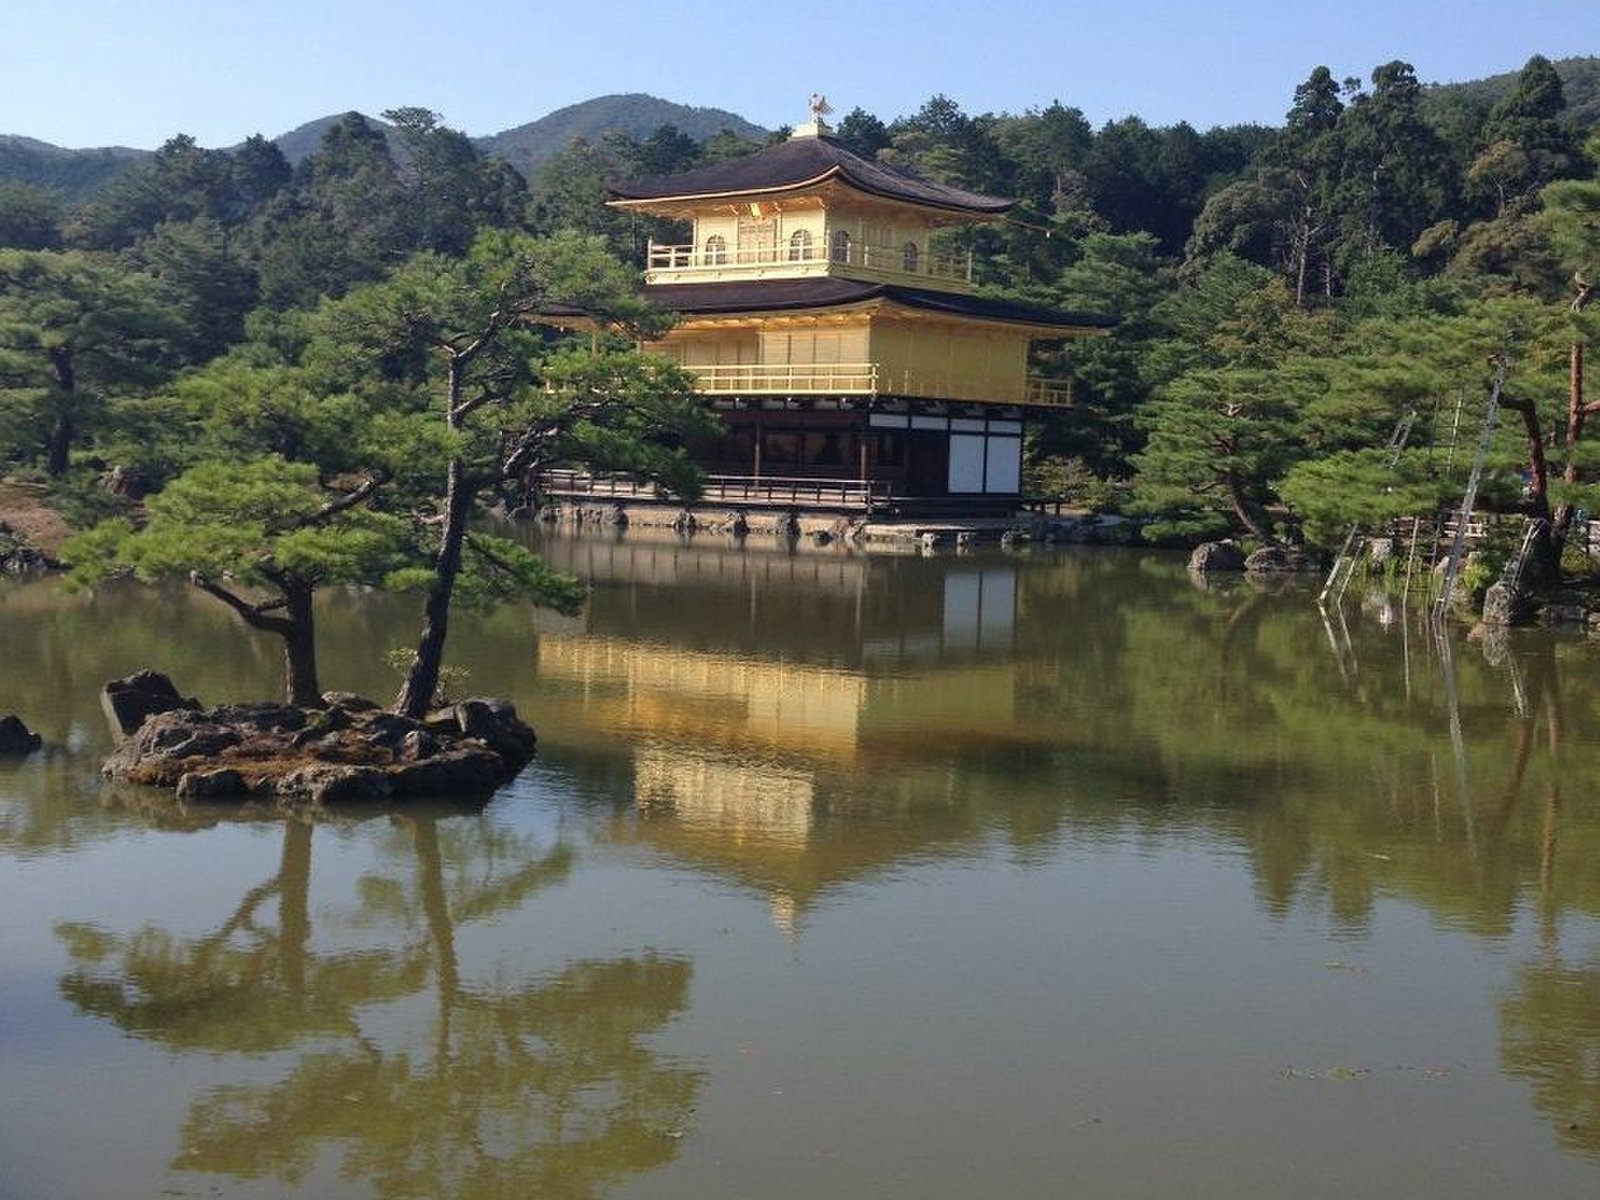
{"points": [[1344, 564], [1491, 414]]}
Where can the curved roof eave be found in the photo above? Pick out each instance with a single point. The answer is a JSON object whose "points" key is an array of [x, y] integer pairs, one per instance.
{"points": [[685, 197], [796, 165], [835, 172], [770, 297]]}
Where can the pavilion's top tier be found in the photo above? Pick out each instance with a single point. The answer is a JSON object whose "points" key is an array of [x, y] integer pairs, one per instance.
{"points": [[804, 207]]}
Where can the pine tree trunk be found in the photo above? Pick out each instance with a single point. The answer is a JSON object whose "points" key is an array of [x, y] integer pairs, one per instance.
{"points": [[300, 649], [1561, 525], [58, 445], [1302, 261], [423, 679], [1543, 567], [1243, 510]]}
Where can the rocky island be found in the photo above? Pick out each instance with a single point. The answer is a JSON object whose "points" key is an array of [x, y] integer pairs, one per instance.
{"points": [[347, 751]]}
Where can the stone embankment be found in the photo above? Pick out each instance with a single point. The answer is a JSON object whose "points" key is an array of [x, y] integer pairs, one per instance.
{"points": [[348, 751], [824, 528], [732, 521]]}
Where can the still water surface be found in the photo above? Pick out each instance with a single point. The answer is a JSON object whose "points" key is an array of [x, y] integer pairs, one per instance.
{"points": [[843, 875]]}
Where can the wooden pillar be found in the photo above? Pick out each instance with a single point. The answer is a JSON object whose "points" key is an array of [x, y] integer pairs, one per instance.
{"points": [[760, 433]]}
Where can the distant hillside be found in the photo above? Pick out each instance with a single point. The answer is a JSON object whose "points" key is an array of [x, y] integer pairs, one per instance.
{"points": [[76, 174], [1580, 85], [302, 141], [527, 146]]}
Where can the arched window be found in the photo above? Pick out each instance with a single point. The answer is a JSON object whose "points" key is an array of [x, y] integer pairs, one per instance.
{"points": [[908, 258], [716, 250], [839, 246], [800, 245]]}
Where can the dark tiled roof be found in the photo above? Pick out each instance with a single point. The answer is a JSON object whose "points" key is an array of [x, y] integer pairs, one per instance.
{"points": [[805, 160], [769, 295]]}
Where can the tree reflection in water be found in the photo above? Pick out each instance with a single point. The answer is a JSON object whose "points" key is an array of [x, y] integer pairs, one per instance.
{"points": [[1550, 1017], [539, 1088], [1550, 1036]]}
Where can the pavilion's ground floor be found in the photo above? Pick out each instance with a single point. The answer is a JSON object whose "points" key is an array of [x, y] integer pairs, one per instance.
{"points": [[841, 455]]}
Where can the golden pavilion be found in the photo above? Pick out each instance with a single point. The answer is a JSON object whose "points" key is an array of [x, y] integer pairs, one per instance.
{"points": [[855, 367]]}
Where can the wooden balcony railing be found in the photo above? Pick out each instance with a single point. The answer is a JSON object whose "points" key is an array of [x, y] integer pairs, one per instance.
{"points": [[1050, 393], [870, 379], [785, 378], [753, 491], [666, 262], [777, 490]]}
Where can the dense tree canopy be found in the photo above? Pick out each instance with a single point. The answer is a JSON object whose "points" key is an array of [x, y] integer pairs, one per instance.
{"points": [[76, 332]]}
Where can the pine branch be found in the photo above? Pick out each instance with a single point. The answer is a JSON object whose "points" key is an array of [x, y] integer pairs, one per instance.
{"points": [[344, 503], [253, 615]]}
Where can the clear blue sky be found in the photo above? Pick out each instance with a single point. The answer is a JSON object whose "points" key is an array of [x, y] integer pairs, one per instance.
{"points": [[134, 72]]}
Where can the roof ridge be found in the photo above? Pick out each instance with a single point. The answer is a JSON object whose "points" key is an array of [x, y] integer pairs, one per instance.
{"points": [[805, 162]]}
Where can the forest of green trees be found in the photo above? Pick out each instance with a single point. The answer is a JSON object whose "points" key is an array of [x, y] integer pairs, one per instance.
{"points": [[317, 370]]}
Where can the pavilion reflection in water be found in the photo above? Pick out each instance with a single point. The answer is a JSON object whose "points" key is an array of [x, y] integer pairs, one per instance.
{"points": [[741, 756]]}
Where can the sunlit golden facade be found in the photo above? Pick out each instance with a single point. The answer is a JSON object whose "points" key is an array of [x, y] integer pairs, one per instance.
{"points": [[839, 331]]}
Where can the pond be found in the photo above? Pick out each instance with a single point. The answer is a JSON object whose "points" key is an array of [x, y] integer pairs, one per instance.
{"points": [[836, 874]]}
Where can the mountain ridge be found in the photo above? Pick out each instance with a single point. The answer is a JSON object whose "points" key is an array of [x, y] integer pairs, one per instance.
{"points": [[637, 114], [78, 173]]}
